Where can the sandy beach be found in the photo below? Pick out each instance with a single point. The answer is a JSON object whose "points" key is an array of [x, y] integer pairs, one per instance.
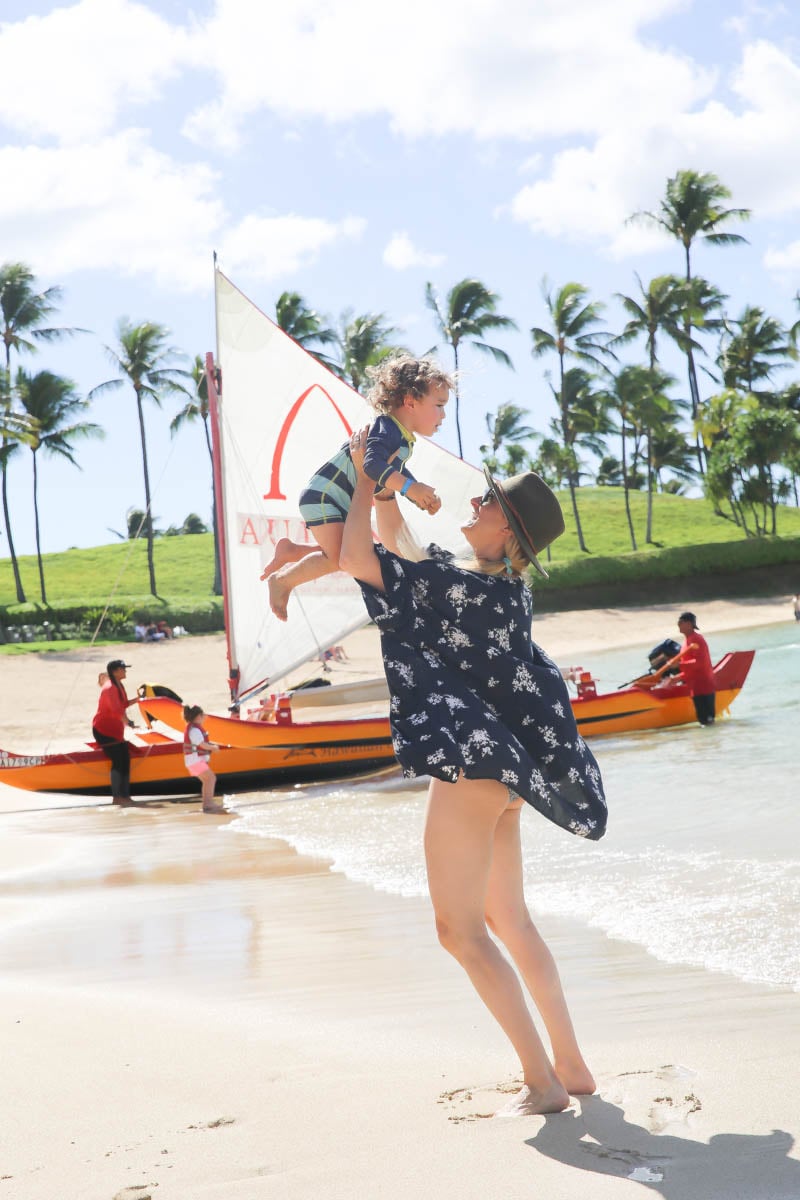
{"points": [[188, 1014]]}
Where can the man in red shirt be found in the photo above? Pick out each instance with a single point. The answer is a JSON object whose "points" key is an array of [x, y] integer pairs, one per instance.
{"points": [[694, 661]]}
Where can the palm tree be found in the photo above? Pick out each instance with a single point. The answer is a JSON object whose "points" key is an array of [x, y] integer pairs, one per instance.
{"points": [[691, 209], [196, 408], [25, 313], [671, 452], [143, 359], [574, 333], [630, 385], [760, 346], [467, 315], [506, 430], [363, 342], [659, 309], [304, 325], [53, 404]]}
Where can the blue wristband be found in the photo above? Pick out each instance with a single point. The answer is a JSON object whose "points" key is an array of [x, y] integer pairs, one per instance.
{"points": [[406, 486]]}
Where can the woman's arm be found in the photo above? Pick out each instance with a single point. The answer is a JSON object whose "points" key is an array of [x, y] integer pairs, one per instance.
{"points": [[390, 522], [357, 556]]}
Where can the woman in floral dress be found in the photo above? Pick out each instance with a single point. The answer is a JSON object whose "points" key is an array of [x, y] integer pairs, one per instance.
{"points": [[480, 708]]}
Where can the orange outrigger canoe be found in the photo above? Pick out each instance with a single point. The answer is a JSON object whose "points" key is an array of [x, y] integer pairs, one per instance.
{"points": [[336, 748], [639, 706], [258, 754]]}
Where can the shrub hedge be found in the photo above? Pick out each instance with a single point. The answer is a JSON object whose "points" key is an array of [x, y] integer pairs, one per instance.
{"points": [[35, 622]]}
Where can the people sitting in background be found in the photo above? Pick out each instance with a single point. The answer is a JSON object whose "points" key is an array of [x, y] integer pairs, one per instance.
{"points": [[164, 629], [140, 631]]}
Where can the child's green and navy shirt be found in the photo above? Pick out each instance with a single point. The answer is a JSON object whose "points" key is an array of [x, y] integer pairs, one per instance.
{"points": [[327, 497]]}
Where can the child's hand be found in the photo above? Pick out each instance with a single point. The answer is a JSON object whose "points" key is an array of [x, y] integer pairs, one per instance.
{"points": [[424, 497]]}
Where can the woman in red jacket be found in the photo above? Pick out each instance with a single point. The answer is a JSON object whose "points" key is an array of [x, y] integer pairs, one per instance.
{"points": [[108, 728]]}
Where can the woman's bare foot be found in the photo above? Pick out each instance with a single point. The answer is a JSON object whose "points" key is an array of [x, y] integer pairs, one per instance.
{"points": [[284, 553], [214, 808], [576, 1078], [528, 1102], [278, 596]]}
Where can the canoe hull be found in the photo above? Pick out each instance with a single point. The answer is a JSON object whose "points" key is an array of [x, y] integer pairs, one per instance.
{"points": [[159, 770], [634, 709]]}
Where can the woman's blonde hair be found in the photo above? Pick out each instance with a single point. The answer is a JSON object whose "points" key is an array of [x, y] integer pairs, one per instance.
{"points": [[513, 552], [400, 376]]}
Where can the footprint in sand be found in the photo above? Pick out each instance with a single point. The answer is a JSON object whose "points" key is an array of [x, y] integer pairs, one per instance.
{"points": [[656, 1099], [479, 1102]]}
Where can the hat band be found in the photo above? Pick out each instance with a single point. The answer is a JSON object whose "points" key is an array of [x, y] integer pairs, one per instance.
{"points": [[507, 499]]}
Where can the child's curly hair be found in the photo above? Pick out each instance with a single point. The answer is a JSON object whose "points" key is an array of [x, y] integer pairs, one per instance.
{"points": [[400, 376]]}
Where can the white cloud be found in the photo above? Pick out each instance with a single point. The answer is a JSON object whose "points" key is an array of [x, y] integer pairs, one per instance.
{"points": [[785, 261], [119, 205], [267, 248], [591, 190], [506, 70], [401, 253], [66, 75]]}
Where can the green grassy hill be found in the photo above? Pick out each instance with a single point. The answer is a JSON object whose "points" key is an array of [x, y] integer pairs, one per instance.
{"points": [[184, 572], [677, 521]]}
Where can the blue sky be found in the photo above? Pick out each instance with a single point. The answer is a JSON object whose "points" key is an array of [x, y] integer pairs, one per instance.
{"points": [[354, 152]]}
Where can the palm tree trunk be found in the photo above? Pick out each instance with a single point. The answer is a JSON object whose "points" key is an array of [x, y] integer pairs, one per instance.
{"points": [[571, 473], [627, 490], [6, 516], [648, 536], [217, 586], [694, 390], [148, 513], [11, 551], [458, 416], [36, 526]]}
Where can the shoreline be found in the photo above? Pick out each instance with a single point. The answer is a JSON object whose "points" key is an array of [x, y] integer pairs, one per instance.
{"points": [[236, 1020]]}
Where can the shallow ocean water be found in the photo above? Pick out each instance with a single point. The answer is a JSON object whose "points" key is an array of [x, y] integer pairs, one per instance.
{"points": [[701, 861]]}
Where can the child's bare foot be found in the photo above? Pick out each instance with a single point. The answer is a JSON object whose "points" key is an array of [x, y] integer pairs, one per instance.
{"points": [[576, 1078], [284, 553], [528, 1102], [214, 808], [278, 596]]}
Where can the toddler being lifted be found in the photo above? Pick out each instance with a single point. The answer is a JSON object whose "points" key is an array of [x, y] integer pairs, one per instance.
{"points": [[409, 395]]}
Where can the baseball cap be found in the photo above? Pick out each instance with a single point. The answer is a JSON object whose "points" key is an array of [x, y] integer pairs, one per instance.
{"points": [[115, 664]]}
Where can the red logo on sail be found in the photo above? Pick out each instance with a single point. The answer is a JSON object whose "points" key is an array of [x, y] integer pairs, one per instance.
{"points": [[275, 492]]}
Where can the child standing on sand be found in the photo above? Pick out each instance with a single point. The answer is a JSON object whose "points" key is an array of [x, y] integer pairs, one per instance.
{"points": [[410, 395], [197, 751]]}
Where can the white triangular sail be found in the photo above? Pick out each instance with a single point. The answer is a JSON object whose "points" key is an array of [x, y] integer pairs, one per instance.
{"points": [[280, 416]]}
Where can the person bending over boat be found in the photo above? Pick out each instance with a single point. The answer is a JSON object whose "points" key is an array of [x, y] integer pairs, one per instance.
{"points": [[108, 729], [694, 661], [410, 395], [480, 708]]}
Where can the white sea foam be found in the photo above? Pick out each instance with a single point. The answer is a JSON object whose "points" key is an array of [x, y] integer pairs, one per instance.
{"points": [[701, 864]]}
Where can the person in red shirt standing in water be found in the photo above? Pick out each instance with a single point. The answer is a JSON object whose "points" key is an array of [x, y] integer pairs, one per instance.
{"points": [[694, 661], [108, 728]]}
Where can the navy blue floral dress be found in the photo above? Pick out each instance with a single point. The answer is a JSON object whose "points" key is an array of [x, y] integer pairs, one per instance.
{"points": [[472, 693]]}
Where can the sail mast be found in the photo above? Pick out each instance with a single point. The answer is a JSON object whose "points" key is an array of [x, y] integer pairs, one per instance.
{"points": [[214, 389]]}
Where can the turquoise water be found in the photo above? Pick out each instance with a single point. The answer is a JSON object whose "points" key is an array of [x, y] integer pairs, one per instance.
{"points": [[701, 862]]}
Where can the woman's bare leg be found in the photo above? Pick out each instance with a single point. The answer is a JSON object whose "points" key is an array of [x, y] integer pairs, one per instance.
{"points": [[312, 565], [459, 839], [507, 916]]}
